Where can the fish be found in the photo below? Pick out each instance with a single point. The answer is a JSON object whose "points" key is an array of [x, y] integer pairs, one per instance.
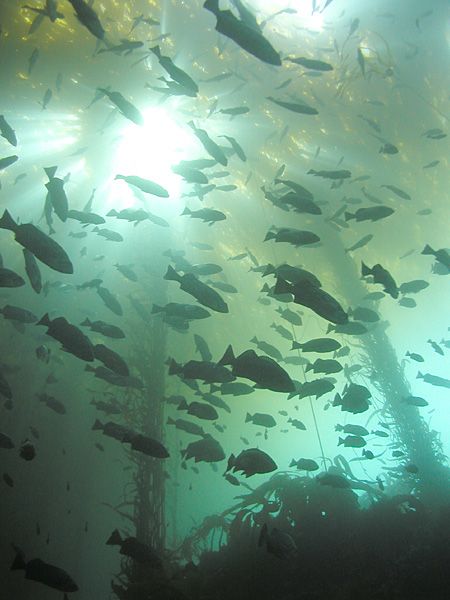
{"points": [[56, 405], [89, 18], [201, 410], [382, 276], [354, 399], [207, 215], [407, 302], [251, 462], [42, 572], [190, 175], [16, 313], [413, 287], [297, 107], [290, 316], [434, 134], [310, 63], [32, 271], [326, 366], [399, 192], [415, 356], [199, 290], [69, 336], [87, 218], [7, 132], [277, 542], [236, 388], [247, 37], [296, 237], [238, 150], [134, 549], [10, 279], [388, 148], [360, 243], [110, 300], [336, 175], [310, 295], [139, 442], [285, 333], [177, 74], [38, 243], [206, 450], [415, 401], [186, 312], [315, 387], [352, 441], [125, 47], [202, 347], [126, 108], [127, 272], [48, 95], [267, 348], [261, 419], [355, 430], [27, 450], [7, 161], [111, 360], [262, 370], [209, 372], [361, 61], [108, 234], [442, 256], [209, 145], [33, 60], [56, 194], [186, 426], [434, 379], [297, 424], [361, 313], [320, 345], [371, 213]]}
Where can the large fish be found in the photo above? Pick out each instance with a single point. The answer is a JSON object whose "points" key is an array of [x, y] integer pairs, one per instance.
{"points": [[177, 74], [247, 37], [71, 338], [199, 290], [38, 243], [125, 107], [88, 17]]}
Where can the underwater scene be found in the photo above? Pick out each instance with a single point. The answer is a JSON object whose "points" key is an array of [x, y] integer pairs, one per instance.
{"points": [[225, 285]]}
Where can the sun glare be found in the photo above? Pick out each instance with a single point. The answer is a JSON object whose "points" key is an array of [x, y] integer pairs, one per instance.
{"points": [[305, 16], [150, 152]]}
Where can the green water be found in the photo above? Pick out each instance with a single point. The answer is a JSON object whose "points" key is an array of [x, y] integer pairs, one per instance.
{"points": [[385, 84]]}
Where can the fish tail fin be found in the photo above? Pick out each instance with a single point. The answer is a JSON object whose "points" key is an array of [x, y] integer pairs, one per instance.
{"points": [[309, 367], [156, 51], [419, 375], [50, 171], [231, 462], [282, 287], [7, 222], [174, 367], [212, 6], [171, 274], [114, 539], [89, 369], [44, 321], [85, 323], [248, 418], [296, 346], [365, 269], [263, 536], [427, 250], [112, 213], [186, 211], [19, 561], [119, 177], [341, 441], [96, 229], [330, 328], [292, 463], [270, 235], [156, 309], [97, 425], [228, 358], [183, 405], [270, 269], [254, 340], [349, 215], [170, 421]]}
